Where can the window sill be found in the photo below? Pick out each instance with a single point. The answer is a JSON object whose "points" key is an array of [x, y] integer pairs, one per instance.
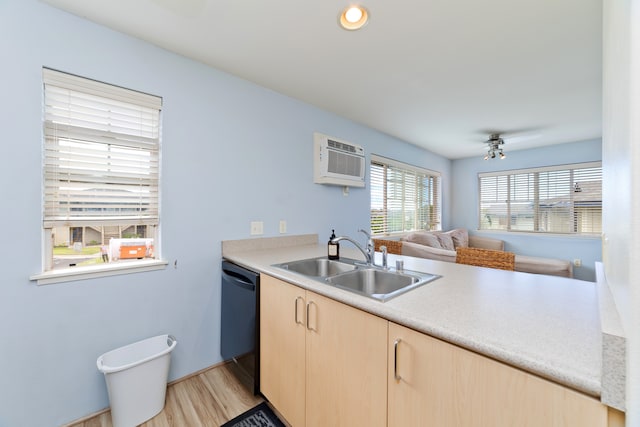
{"points": [[91, 272]]}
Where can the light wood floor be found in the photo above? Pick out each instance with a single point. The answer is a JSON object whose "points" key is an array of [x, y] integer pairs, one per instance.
{"points": [[208, 399]]}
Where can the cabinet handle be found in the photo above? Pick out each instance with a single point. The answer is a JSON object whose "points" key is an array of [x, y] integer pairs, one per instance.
{"points": [[308, 317], [395, 360], [296, 304]]}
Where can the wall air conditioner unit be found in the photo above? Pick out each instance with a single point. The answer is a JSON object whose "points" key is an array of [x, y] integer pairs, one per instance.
{"points": [[337, 162]]}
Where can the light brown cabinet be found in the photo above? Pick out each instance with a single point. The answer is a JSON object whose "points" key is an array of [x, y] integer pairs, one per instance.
{"points": [[432, 382], [322, 363], [282, 348]]}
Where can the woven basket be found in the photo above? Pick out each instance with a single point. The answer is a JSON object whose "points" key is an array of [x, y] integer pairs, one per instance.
{"points": [[486, 258]]}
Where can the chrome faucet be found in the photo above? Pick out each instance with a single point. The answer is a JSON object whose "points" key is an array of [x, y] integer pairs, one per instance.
{"points": [[367, 251], [383, 249]]}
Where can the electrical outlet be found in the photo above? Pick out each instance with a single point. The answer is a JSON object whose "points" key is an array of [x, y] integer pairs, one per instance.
{"points": [[257, 228], [283, 226], [577, 262]]}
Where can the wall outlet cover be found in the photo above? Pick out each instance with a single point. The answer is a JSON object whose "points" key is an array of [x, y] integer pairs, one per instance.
{"points": [[257, 228]]}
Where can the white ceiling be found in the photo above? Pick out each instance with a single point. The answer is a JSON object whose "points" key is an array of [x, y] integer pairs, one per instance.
{"points": [[441, 74]]}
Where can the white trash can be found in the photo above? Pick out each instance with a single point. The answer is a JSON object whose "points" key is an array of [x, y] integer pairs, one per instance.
{"points": [[136, 377]]}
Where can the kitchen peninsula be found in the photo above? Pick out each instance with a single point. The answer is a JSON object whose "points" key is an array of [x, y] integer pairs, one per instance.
{"points": [[543, 325]]}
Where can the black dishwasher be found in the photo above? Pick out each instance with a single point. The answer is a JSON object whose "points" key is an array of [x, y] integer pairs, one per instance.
{"points": [[239, 335]]}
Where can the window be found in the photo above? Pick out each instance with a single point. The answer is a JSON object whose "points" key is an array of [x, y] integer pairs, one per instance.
{"points": [[403, 197], [101, 172], [557, 199]]}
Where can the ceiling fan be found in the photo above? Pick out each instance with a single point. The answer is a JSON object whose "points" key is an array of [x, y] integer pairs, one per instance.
{"points": [[496, 141], [494, 147]]}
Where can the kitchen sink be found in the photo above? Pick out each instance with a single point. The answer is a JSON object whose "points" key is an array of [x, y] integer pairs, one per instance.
{"points": [[380, 284], [319, 267], [351, 275]]}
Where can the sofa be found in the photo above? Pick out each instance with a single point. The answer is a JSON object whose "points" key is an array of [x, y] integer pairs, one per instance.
{"points": [[441, 246]]}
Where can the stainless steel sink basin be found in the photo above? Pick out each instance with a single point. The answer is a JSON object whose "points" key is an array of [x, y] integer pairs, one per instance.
{"points": [[380, 284], [318, 267], [355, 276]]}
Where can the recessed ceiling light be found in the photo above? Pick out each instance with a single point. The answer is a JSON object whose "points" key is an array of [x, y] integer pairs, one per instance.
{"points": [[353, 17]]}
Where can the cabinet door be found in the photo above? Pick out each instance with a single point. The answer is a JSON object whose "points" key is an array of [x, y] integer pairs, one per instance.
{"points": [[346, 365], [439, 384], [282, 347]]}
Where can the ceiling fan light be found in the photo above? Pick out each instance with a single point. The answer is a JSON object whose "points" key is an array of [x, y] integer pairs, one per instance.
{"points": [[494, 147], [353, 18]]}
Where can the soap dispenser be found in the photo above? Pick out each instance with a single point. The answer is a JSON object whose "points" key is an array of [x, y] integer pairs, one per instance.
{"points": [[333, 249]]}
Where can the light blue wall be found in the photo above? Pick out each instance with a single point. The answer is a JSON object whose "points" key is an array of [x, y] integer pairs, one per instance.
{"points": [[232, 152], [464, 204]]}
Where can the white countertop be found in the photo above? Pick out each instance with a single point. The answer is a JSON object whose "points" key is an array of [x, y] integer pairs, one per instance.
{"points": [[545, 325]]}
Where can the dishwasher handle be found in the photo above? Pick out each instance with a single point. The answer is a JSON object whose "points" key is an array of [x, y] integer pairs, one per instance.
{"points": [[238, 280]]}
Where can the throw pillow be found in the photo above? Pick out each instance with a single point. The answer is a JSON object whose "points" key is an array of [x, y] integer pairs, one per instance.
{"points": [[460, 237], [446, 241], [423, 238]]}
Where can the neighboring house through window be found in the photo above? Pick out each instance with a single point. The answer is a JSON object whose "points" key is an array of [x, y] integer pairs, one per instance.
{"points": [[556, 199], [101, 172], [403, 197]]}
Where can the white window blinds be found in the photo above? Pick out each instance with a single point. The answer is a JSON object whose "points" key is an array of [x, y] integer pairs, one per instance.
{"points": [[101, 153], [403, 197], [558, 199]]}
